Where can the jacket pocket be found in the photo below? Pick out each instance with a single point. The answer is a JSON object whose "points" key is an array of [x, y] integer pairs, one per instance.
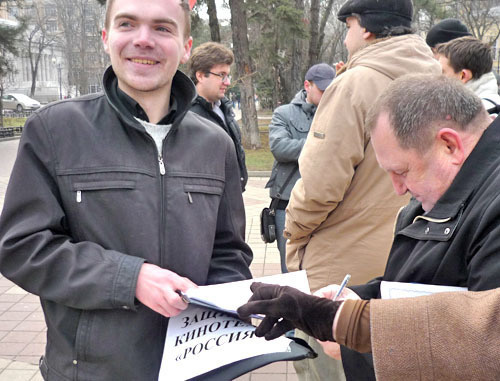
{"points": [[101, 185], [109, 206], [192, 189]]}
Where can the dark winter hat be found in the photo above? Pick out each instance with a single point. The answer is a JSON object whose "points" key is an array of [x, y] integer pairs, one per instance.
{"points": [[321, 74], [446, 30], [378, 15]]}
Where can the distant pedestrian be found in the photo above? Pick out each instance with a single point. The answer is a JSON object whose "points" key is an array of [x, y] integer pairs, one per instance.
{"points": [[287, 134]]}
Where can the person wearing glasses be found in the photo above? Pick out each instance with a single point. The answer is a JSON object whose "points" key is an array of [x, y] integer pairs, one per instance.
{"points": [[209, 69]]}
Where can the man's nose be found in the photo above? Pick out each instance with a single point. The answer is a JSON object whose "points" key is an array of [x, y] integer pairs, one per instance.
{"points": [[398, 184], [144, 37]]}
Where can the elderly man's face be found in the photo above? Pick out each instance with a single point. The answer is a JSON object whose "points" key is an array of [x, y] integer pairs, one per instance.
{"points": [[426, 176]]}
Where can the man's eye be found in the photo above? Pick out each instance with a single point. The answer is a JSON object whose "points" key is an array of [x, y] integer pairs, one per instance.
{"points": [[124, 24], [162, 29]]}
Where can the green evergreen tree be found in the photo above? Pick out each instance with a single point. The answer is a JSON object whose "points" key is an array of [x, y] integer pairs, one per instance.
{"points": [[10, 32]]}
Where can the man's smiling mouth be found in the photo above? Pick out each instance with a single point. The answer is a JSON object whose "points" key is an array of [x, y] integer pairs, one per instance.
{"points": [[143, 62]]}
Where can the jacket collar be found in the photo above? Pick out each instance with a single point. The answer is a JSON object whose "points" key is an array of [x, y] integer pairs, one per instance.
{"points": [[483, 159], [224, 102], [300, 99], [182, 94]]}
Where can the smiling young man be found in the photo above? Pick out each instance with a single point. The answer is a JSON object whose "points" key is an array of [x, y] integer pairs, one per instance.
{"points": [[341, 213], [111, 202], [209, 69]]}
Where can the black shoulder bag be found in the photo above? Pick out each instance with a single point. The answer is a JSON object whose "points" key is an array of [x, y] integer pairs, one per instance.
{"points": [[268, 215]]}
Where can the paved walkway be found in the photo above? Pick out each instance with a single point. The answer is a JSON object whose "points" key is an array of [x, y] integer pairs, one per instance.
{"points": [[22, 326]]}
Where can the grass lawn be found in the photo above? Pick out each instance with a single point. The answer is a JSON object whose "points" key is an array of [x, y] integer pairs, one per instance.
{"points": [[261, 159], [13, 122]]}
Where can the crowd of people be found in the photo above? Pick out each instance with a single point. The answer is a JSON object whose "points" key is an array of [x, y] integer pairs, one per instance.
{"points": [[386, 167]]}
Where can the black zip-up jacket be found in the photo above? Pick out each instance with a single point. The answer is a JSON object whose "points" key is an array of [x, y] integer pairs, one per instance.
{"points": [[204, 108], [87, 205], [457, 243]]}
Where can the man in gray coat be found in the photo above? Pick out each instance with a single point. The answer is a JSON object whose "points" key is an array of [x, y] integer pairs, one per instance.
{"points": [[287, 135]]}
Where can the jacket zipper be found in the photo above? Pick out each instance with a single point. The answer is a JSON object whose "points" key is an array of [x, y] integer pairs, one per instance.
{"points": [[162, 165]]}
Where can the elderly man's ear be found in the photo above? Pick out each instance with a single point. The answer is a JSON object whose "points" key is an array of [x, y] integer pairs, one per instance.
{"points": [[451, 144]]}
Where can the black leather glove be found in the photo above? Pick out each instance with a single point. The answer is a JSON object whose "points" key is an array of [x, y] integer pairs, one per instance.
{"points": [[287, 308]]}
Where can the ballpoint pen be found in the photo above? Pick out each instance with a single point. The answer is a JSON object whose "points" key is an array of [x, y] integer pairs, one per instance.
{"points": [[342, 286]]}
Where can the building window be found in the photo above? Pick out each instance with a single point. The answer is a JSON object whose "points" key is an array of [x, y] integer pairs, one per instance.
{"points": [[94, 88], [51, 26], [50, 10]]}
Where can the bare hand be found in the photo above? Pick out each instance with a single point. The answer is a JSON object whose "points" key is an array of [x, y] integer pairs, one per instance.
{"points": [[339, 65], [331, 348], [156, 289], [330, 291]]}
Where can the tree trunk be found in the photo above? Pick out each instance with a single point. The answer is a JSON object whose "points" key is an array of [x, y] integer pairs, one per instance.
{"points": [[244, 69], [296, 70], [34, 75], [313, 31], [322, 27], [213, 21]]}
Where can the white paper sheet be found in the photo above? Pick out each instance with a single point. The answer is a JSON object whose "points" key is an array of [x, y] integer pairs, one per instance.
{"points": [[199, 340], [230, 296], [393, 290]]}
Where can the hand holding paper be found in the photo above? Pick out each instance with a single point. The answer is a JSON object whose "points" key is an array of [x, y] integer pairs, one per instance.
{"points": [[287, 308], [156, 288]]}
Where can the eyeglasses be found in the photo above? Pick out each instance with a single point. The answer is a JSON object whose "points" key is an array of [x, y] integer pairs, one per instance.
{"points": [[224, 77]]}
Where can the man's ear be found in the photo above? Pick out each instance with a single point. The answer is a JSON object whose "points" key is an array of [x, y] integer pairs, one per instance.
{"points": [[199, 76], [368, 36], [104, 36], [187, 50], [451, 144], [465, 75], [307, 86]]}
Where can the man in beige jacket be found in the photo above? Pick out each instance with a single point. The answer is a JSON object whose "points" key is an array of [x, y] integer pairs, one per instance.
{"points": [[341, 213]]}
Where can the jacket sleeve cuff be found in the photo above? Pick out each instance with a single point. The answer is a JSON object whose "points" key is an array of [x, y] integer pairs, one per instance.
{"points": [[125, 283], [353, 326]]}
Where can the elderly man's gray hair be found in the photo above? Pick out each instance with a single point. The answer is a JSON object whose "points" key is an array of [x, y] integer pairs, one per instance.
{"points": [[420, 104]]}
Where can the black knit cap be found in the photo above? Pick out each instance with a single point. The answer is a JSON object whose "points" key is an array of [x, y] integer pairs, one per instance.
{"points": [[379, 15], [446, 30]]}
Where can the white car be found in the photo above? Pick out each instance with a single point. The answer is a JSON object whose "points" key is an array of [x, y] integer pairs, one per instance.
{"points": [[19, 102]]}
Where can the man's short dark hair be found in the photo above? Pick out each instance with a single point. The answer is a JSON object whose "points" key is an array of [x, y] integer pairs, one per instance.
{"points": [[467, 53], [183, 3], [206, 56], [419, 104]]}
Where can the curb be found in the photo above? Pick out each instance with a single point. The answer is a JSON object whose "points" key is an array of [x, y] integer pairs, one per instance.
{"points": [[11, 138], [259, 173]]}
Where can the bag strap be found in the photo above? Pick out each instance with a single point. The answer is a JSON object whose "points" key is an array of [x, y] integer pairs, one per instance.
{"points": [[495, 109], [276, 200]]}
